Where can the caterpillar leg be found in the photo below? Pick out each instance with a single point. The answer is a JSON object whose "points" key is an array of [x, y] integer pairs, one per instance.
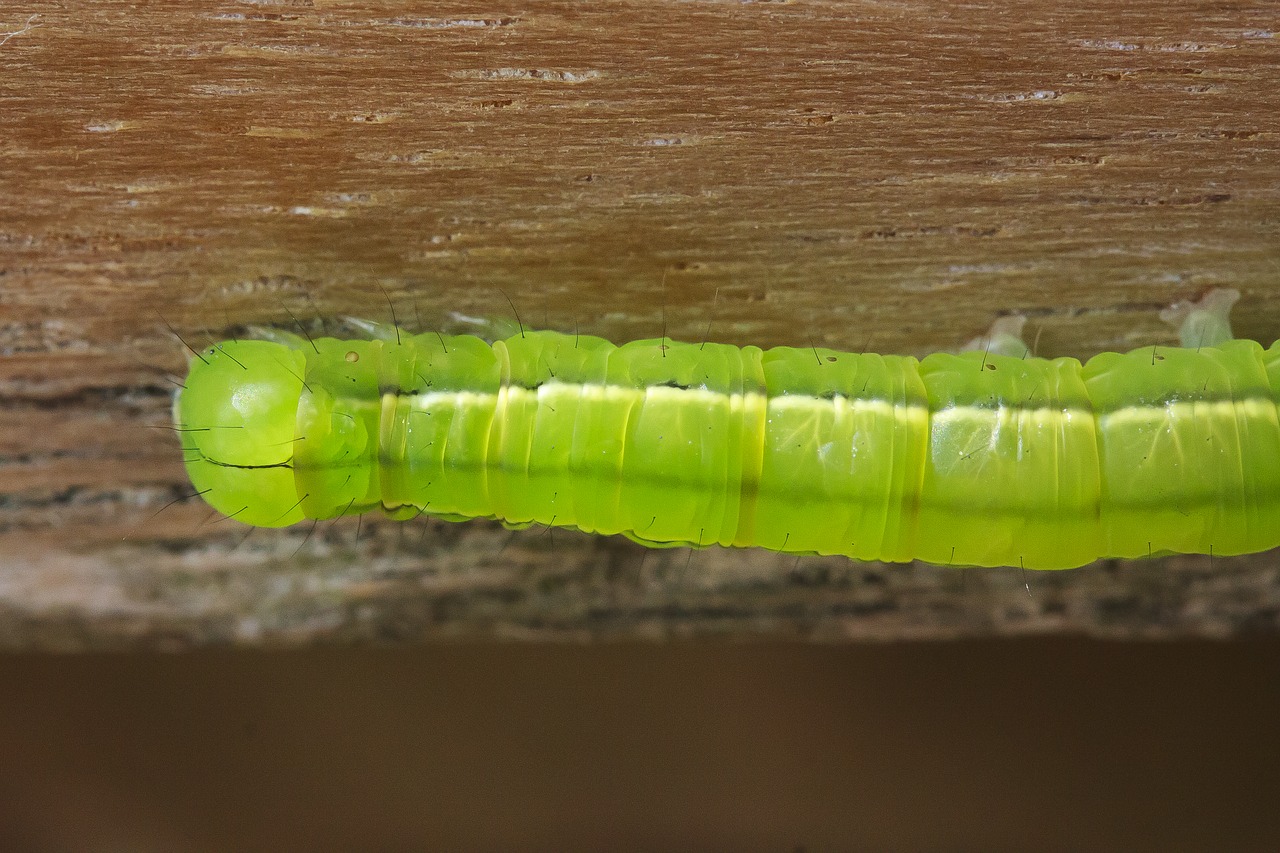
{"points": [[1205, 322], [375, 331], [278, 336], [1003, 338], [654, 543], [349, 328], [487, 329]]}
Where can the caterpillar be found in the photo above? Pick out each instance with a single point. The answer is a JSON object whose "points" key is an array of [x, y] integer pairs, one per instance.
{"points": [[989, 457]]}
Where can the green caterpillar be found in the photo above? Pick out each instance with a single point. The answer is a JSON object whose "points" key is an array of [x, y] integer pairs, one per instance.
{"points": [[986, 458]]}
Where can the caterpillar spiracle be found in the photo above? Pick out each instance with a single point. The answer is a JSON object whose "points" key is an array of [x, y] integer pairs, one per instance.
{"points": [[989, 457]]}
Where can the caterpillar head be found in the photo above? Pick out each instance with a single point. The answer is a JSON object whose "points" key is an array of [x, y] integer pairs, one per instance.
{"points": [[237, 417]]}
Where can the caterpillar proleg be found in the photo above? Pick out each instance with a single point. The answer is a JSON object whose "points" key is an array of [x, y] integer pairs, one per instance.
{"points": [[990, 457]]}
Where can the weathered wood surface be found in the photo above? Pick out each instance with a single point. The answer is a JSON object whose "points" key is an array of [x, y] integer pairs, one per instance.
{"points": [[892, 173]]}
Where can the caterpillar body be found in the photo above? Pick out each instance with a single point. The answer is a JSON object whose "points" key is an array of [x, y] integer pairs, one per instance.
{"points": [[986, 458]]}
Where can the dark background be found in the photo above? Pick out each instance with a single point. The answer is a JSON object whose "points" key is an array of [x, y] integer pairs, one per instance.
{"points": [[994, 745]]}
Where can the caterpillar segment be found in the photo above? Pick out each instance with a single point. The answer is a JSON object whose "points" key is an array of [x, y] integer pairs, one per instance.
{"points": [[988, 457]]}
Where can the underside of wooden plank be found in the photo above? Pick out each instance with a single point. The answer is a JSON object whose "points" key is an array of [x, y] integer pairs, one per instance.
{"points": [[880, 176]]}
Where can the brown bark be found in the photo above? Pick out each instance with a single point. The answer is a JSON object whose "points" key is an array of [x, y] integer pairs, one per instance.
{"points": [[890, 175]]}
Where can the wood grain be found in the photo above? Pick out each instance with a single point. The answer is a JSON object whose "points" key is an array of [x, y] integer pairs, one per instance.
{"points": [[882, 174]]}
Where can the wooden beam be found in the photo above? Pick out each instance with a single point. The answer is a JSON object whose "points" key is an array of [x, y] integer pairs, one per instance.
{"points": [[855, 174]]}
